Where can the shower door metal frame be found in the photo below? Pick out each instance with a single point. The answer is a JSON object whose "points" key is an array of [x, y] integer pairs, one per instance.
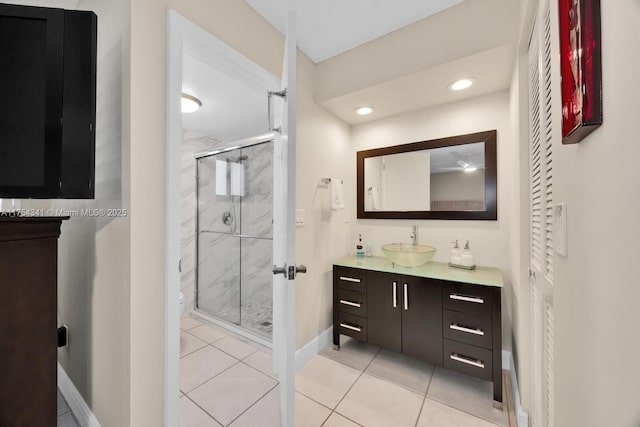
{"points": [[236, 328]]}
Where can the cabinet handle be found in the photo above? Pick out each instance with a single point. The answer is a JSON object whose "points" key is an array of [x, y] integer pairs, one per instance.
{"points": [[353, 328], [395, 294], [349, 279], [466, 298], [467, 330], [406, 297], [462, 359], [352, 304]]}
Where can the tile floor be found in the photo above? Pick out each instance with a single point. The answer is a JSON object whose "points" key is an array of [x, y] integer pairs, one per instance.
{"points": [[226, 380], [65, 416]]}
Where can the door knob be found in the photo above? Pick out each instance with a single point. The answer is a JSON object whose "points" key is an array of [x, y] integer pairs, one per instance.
{"points": [[301, 269]]}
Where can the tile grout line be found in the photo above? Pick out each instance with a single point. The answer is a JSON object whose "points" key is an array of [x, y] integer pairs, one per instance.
{"points": [[253, 404], [424, 399], [354, 383], [203, 410], [224, 370]]}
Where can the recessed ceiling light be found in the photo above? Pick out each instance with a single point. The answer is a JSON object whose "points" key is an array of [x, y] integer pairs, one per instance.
{"points": [[470, 169], [461, 84], [190, 103], [363, 111]]}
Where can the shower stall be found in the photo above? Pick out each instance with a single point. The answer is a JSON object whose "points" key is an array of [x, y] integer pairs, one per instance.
{"points": [[234, 224]]}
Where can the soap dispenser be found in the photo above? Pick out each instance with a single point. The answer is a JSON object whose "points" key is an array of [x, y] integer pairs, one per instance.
{"points": [[455, 253], [466, 258], [360, 247]]}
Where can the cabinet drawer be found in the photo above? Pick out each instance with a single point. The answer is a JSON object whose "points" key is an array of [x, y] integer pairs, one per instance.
{"points": [[468, 328], [352, 302], [353, 326], [468, 359], [353, 279], [467, 298]]}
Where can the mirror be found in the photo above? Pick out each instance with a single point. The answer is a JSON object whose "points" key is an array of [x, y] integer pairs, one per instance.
{"points": [[446, 178]]}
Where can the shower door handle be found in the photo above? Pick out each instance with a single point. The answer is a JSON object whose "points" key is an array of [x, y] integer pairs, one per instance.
{"points": [[280, 270]]}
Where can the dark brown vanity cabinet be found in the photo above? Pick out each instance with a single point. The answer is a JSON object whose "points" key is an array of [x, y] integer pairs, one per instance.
{"points": [[446, 323], [405, 315]]}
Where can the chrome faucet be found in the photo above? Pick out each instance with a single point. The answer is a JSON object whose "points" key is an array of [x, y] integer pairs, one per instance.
{"points": [[414, 234]]}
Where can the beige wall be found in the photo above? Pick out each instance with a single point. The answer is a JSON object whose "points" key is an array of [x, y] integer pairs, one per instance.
{"points": [[93, 266], [489, 239], [597, 290]]}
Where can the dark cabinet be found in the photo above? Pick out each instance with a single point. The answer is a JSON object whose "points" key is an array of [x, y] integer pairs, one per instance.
{"points": [[384, 315], [422, 319], [28, 324], [450, 324]]}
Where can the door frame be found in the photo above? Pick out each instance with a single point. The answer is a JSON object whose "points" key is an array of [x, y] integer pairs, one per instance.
{"points": [[185, 36]]}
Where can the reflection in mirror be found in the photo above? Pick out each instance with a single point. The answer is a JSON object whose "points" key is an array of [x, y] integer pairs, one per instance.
{"points": [[440, 179], [447, 178]]}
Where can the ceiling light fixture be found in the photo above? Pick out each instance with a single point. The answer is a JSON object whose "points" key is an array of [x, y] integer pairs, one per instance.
{"points": [[461, 84], [190, 103], [470, 169], [363, 111]]}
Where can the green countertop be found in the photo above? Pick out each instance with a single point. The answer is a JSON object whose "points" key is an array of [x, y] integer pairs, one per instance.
{"points": [[485, 276]]}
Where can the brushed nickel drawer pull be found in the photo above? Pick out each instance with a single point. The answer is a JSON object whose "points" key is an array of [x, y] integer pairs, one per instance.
{"points": [[395, 294], [466, 298], [351, 303], [349, 279], [353, 328], [462, 359], [467, 330]]}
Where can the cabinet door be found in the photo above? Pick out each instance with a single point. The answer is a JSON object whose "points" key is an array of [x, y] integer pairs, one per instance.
{"points": [[422, 319], [383, 310]]}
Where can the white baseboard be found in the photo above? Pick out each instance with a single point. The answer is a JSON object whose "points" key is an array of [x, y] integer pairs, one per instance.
{"points": [[313, 347], [508, 363], [78, 406]]}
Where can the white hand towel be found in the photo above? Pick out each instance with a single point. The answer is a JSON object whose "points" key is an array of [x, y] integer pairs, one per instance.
{"points": [[237, 179], [337, 199], [375, 198], [221, 178]]}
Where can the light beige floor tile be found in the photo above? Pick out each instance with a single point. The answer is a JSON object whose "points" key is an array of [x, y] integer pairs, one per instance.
{"points": [[232, 392], [373, 402], [265, 412], [435, 414], [207, 333], [469, 394], [67, 420], [325, 380], [63, 408], [404, 371], [193, 416], [235, 347], [202, 365], [187, 322], [310, 413], [189, 343], [337, 420], [262, 361], [352, 353]]}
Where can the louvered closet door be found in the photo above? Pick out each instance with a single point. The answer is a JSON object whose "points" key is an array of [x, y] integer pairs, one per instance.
{"points": [[543, 131]]}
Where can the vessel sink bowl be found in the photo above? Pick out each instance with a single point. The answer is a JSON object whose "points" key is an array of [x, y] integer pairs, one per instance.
{"points": [[407, 254]]}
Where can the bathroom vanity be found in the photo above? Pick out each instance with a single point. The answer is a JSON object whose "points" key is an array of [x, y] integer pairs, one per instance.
{"points": [[445, 316], [28, 324]]}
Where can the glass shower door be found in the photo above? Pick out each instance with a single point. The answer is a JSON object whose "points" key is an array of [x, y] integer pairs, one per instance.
{"points": [[256, 240], [235, 239], [218, 274]]}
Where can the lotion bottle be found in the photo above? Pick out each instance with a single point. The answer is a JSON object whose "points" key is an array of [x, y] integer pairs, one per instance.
{"points": [[455, 253], [466, 258]]}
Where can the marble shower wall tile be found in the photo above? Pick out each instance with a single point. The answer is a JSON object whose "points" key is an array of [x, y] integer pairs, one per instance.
{"points": [[257, 204], [190, 146]]}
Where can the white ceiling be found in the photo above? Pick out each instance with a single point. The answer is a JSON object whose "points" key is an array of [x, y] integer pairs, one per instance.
{"points": [[445, 159], [330, 27], [230, 111], [403, 71]]}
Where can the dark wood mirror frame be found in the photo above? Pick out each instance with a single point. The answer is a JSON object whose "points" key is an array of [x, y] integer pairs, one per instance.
{"points": [[490, 184]]}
